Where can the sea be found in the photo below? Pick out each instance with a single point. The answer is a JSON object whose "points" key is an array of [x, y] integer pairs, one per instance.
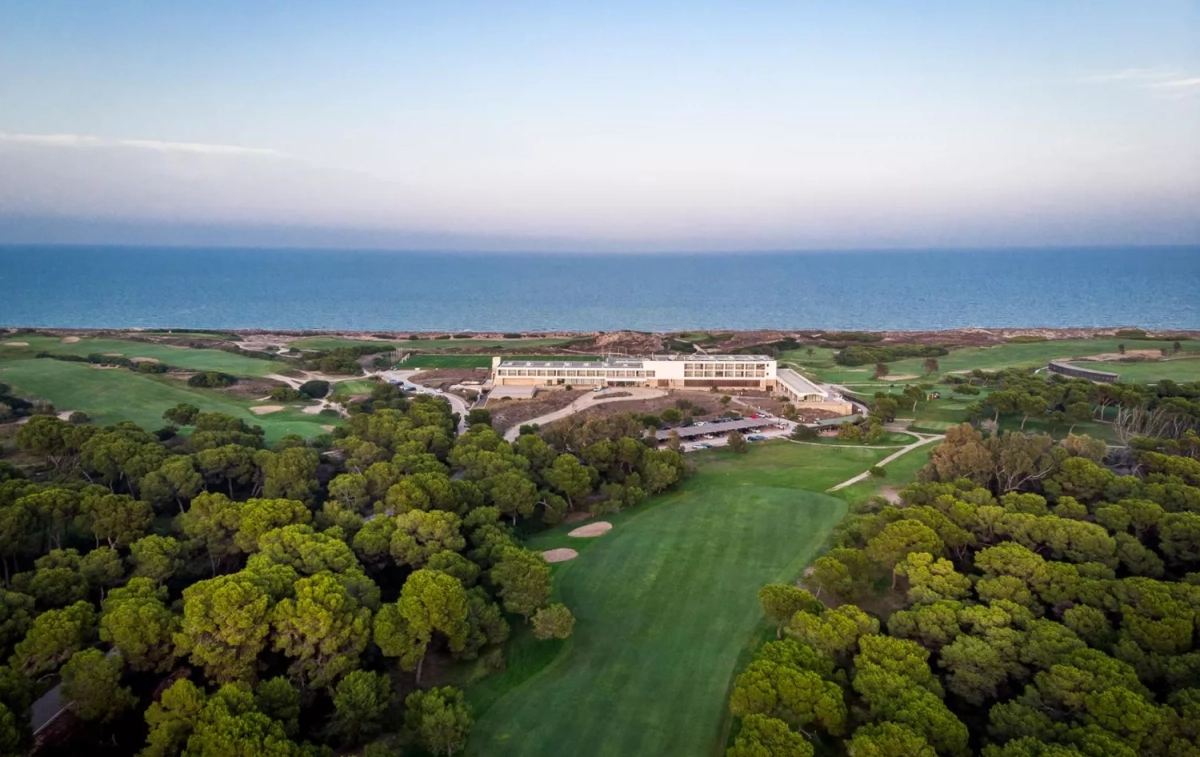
{"points": [[227, 288]]}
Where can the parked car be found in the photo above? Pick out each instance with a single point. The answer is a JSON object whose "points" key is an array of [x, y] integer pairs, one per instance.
{"points": [[702, 445]]}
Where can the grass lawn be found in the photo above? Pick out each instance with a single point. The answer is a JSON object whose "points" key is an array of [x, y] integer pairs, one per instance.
{"points": [[1031, 355], [665, 605], [1026, 355], [333, 342], [448, 361], [180, 357], [355, 386], [1181, 370], [889, 439], [115, 394], [436, 345]]}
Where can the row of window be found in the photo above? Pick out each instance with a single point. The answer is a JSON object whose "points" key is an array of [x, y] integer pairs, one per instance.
{"points": [[730, 372], [569, 373]]}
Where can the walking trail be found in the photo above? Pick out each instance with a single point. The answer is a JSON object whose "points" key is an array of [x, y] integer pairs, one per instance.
{"points": [[922, 440]]}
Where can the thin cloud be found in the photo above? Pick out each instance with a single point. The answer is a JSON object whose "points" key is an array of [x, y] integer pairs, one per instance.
{"points": [[1178, 83], [1135, 75], [83, 141]]}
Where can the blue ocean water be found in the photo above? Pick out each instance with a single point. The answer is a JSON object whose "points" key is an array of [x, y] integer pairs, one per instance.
{"points": [[167, 287]]}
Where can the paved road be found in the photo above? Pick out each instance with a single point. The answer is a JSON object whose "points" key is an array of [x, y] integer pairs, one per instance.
{"points": [[50, 705], [47, 709], [589, 399]]}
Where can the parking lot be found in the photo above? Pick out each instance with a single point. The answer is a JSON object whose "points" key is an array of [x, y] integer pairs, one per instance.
{"points": [[772, 428]]}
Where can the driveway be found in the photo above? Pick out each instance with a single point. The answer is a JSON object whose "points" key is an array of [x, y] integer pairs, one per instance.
{"points": [[458, 404]]}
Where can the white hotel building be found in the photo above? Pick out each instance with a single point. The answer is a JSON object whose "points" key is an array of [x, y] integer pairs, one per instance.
{"points": [[666, 372]]}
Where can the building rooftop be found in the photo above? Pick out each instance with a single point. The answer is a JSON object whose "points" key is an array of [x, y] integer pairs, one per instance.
{"points": [[718, 427], [714, 358], [634, 362], [560, 364], [798, 383]]}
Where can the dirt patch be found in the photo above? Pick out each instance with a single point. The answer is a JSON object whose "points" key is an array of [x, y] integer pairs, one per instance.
{"points": [[444, 378], [576, 517], [901, 377], [592, 529], [252, 388], [144, 360], [706, 406], [509, 413], [16, 344], [265, 409], [70, 339], [560, 555], [891, 494]]}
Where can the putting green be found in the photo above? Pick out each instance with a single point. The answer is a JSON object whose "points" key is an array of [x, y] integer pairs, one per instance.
{"points": [[665, 603]]}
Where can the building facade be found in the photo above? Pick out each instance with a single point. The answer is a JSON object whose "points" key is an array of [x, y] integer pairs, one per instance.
{"points": [[659, 371]]}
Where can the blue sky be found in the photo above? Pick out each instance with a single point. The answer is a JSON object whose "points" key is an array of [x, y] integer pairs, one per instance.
{"points": [[618, 125]]}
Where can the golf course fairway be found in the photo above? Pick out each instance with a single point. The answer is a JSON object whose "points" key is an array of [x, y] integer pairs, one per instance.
{"points": [[665, 603]]}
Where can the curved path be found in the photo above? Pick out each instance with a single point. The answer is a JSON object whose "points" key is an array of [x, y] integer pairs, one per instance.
{"points": [[590, 399], [922, 440], [459, 404]]}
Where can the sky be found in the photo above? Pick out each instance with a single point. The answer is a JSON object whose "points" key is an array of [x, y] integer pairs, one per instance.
{"points": [[750, 125]]}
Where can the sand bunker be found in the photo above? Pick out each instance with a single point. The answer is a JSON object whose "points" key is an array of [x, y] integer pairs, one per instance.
{"points": [[16, 344], [264, 409], [901, 377], [327, 427], [112, 354], [143, 360], [592, 529], [560, 555], [70, 339], [1114, 356]]}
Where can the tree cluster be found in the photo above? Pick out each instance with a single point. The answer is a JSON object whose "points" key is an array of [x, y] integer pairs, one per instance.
{"points": [[275, 600], [1036, 604]]}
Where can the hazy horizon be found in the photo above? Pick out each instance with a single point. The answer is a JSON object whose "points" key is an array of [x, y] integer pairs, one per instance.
{"points": [[630, 127]]}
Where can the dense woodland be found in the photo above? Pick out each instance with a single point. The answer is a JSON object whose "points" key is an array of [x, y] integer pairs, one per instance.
{"points": [[199, 594], [1028, 598]]}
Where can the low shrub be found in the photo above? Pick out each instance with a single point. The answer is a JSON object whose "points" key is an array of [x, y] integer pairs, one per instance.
{"points": [[315, 389], [212, 380]]}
